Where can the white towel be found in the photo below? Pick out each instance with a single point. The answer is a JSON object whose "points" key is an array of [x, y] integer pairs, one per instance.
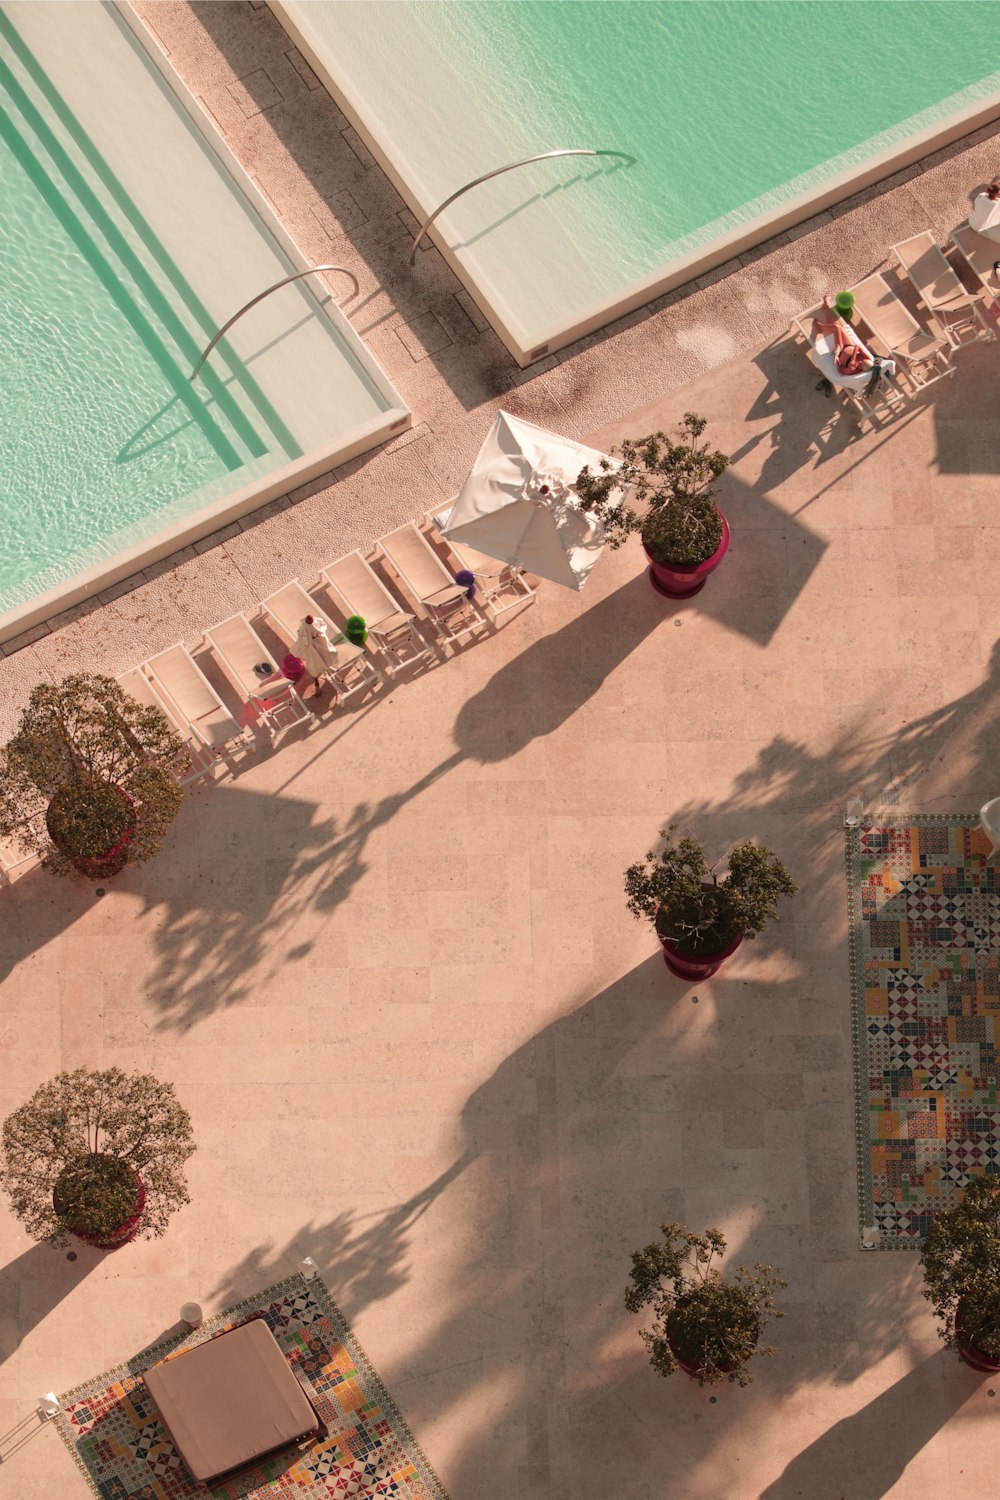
{"points": [[985, 216], [313, 645]]}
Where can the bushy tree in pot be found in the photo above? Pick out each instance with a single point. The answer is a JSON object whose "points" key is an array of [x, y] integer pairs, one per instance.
{"points": [[961, 1265], [85, 781], [684, 534], [699, 918], [99, 1155], [703, 1324]]}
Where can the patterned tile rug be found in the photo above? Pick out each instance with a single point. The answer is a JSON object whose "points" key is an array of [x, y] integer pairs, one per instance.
{"points": [[112, 1430], [924, 909]]}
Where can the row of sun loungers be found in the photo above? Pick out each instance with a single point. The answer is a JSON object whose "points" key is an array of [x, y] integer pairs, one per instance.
{"points": [[214, 734], [923, 354]]}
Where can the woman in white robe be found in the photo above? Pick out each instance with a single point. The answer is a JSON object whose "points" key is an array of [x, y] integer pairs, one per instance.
{"points": [[314, 646]]}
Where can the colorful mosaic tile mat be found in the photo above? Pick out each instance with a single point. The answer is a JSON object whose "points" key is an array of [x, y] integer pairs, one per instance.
{"points": [[925, 934], [113, 1432]]}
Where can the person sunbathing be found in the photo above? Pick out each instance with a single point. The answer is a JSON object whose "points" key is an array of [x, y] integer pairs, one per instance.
{"points": [[850, 357]]}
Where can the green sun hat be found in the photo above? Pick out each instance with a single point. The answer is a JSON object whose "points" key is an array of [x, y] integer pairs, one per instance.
{"points": [[844, 303], [356, 630]]}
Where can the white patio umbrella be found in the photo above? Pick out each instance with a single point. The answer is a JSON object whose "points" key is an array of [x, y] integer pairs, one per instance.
{"points": [[518, 503]]}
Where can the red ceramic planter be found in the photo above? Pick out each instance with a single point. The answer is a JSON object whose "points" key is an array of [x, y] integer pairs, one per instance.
{"points": [[696, 965], [125, 1232], [111, 861], [973, 1357], [681, 581], [697, 1372]]}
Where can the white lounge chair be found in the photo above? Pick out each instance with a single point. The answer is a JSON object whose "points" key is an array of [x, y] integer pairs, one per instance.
{"points": [[181, 683], [195, 762], [501, 586], [924, 356], [354, 671], [885, 400], [957, 311], [238, 649], [428, 582], [14, 859], [357, 590], [980, 253]]}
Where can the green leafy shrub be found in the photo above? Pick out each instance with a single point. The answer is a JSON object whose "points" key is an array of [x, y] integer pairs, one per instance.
{"points": [[70, 1155], [673, 483], [86, 763], [710, 1324], [677, 890], [961, 1265]]}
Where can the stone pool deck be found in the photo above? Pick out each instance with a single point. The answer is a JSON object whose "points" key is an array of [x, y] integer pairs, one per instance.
{"points": [[389, 967]]}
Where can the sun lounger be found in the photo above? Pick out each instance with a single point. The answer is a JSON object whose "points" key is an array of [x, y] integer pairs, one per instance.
{"points": [[238, 649], [357, 590], [426, 579], [183, 686], [885, 400], [354, 669], [959, 313], [500, 586], [194, 763], [13, 858], [979, 253], [925, 357]]}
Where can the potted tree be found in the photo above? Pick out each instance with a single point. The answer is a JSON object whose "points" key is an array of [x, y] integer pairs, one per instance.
{"points": [[684, 534], [961, 1265], [85, 782], [699, 918], [98, 1155], [703, 1324]]}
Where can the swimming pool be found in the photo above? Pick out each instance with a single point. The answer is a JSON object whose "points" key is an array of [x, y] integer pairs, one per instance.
{"points": [[734, 112], [126, 244]]}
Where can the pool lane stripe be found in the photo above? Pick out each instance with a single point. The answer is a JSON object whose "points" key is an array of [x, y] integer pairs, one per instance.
{"points": [[113, 286], [171, 270]]}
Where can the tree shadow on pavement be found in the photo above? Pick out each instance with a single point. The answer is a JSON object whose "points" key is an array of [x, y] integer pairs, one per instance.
{"points": [[568, 1156], [864, 1455]]}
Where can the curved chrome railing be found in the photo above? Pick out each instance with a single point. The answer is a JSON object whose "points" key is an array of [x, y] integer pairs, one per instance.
{"points": [[260, 297], [542, 156]]}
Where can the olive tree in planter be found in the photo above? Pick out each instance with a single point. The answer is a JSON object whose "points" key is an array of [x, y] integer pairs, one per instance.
{"points": [[961, 1265], [704, 1324], [97, 1155], [684, 534], [85, 782], [699, 918]]}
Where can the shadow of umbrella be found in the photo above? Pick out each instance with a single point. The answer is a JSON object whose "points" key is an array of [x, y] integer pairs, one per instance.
{"points": [[549, 682]]}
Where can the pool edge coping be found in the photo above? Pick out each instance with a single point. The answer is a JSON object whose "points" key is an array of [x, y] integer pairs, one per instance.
{"points": [[21, 618], [677, 273]]}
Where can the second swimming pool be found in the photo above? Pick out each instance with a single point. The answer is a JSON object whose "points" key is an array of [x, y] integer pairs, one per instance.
{"points": [[730, 109]]}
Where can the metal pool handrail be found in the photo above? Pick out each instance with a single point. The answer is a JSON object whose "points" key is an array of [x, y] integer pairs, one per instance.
{"points": [[542, 155], [260, 297]]}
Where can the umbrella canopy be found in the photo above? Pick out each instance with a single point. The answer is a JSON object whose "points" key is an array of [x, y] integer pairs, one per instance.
{"points": [[518, 503]]}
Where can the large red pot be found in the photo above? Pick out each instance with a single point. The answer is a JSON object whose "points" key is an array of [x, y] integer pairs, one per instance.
{"points": [[110, 861], [684, 580], [698, 1372], [695, 965], [122, 1234], [968, 1352]]}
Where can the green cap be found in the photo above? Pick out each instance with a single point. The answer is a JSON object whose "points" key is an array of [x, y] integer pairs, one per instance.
{"points": [[844, 301]]}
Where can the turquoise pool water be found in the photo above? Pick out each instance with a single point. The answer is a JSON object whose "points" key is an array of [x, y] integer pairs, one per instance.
{"points": [[729, 107], [106, 254]]}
